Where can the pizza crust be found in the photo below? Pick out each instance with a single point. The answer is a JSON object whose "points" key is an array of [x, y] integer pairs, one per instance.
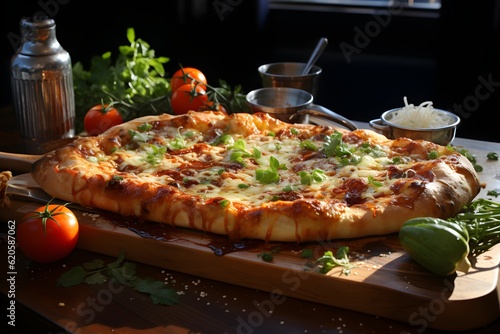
{"points": [[441, 189]]}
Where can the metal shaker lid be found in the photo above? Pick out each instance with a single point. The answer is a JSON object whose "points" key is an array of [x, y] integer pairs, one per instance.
{"points": [[39, 36]]}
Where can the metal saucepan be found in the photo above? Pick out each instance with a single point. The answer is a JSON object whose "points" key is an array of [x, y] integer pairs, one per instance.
{"points": [[440, 135], [292, 105]]}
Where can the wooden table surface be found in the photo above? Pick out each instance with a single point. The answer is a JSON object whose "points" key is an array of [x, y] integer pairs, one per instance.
{"points": [[205, 305]]}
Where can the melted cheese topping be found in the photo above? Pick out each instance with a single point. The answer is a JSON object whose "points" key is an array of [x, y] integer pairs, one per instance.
{"points": [[256, 169]]}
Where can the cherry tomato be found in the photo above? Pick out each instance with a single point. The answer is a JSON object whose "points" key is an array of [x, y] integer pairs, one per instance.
{"points": [[188, 97], [48, 234], [100, 118], [186, 75]]}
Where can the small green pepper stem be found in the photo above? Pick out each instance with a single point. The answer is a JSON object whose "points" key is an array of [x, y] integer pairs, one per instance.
{"points": [[464, 265]]}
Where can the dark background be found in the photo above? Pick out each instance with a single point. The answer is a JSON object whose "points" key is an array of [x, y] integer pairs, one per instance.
{"points": [[375, 56]]}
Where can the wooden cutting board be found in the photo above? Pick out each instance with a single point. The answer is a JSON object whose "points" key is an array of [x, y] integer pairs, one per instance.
{"points": [[385, 281]]}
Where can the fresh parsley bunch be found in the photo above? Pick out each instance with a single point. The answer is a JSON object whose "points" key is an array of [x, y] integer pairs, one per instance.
{"points": [[135, 81]]}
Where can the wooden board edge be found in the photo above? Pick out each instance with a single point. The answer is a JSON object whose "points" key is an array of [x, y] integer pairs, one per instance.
{"points": [[437, 313]]}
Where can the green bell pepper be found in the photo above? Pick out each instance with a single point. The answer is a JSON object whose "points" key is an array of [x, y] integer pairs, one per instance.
{"points": [[438, 245]]}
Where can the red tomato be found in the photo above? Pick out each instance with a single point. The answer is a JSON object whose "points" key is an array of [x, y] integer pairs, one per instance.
{"points": [[48, 234], [186, 75], [188, 97], [100, 118]]}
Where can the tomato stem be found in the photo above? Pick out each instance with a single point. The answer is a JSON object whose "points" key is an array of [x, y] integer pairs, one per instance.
{"points": [[46, 214]]}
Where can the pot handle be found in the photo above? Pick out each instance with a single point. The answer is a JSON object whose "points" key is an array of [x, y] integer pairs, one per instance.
{"points": [[378, 124], [322, 112]]}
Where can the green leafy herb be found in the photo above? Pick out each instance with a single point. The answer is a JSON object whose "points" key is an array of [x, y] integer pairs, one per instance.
{"points": [[307, 253], [155, 154], [373, 150], [350, 160], [268, 256], [257, 154], [492, 156], [341, 259], [308, 145], [373, 182], [138, 136], [233, 99], [239, 152], [134, 80], [432, 155], [316, 175], [290, 187], [178, 142], [481, 218], [471, 158], [97, 272], [335, 147], [144, 127], [270, 175], [396, 160], [223, 139], [494, 193]]}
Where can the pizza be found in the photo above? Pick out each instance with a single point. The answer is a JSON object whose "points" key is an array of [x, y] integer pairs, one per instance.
{"points": [[255, 177]]}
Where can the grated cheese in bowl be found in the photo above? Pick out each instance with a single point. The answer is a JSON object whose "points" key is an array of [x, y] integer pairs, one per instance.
{"points": [[423, 116]]}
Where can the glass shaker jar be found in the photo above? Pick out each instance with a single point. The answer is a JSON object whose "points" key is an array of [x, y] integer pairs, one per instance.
{"points": [[42, 83]]}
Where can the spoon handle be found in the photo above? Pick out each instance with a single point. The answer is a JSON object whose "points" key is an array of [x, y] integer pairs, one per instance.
{"points": [[322, 43]]}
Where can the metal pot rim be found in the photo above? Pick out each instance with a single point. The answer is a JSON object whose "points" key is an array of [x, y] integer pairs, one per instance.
{"points": [[455, 121]]}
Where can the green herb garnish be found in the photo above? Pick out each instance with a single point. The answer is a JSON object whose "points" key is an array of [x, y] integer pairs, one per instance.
{"points": [[373, 182], [138, 136], [432, 155], [239, 152], [308, 145], [144, 127], [223, 139], [124, 273], [270, 175], [155, 154], [471, 158], [134, 79], [328, 261], [335, 147], [315, 176], [481, 218], [492, 156], [494, 193], [178, 142], [268, 256]]}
